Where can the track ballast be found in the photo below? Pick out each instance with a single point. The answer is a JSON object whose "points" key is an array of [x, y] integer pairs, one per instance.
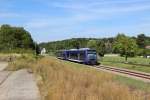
{"points": [[124, 71]]}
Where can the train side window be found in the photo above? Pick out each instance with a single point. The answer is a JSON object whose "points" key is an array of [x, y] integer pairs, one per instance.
{"points": [[74, 56], [68, 55], [81, 55]]}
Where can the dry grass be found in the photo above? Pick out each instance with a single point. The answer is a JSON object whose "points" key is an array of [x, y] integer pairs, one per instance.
{"points": [[59, 81], [63, 81], [23, 61], [8, 57]]}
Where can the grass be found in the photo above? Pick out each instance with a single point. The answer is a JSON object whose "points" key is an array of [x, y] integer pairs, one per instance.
{"points": [[132, 83], [61, 80], [136, 60], [6, 57], [119, 62], [23, 61]]}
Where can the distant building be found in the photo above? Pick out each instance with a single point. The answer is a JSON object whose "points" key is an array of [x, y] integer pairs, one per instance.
{"points": [[43, 51], [147, 47], [148, 56]]}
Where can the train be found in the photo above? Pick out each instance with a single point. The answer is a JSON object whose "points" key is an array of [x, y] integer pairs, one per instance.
{"points": [[82, 55]]}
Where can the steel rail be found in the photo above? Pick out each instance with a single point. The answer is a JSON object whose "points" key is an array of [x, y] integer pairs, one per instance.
{"points": [[123, 71]]}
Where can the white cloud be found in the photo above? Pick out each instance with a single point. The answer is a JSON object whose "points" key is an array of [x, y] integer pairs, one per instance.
{"points": [[104, 7], [101, 9]]}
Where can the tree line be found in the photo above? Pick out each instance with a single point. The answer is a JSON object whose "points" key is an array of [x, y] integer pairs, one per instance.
{"points": [[15, 39], [124, 45], [18, 40]]}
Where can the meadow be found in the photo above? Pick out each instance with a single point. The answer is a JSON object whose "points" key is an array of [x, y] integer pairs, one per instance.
{"points": [[134, 63], [62, 80]]}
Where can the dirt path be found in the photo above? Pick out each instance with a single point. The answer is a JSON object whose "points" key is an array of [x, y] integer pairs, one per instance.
{"points": [[3, 74], [3, 65], [19, 85]]}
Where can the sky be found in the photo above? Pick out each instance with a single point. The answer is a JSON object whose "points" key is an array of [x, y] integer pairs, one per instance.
{"points": [[51, 20]]}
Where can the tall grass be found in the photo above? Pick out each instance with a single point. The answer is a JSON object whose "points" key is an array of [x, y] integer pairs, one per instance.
{"points": [[63, 81], [59, 81], [20, 62], [8, 57]]}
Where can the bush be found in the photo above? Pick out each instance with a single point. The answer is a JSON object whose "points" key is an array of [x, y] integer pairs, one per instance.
{"points": [[24, 61]]}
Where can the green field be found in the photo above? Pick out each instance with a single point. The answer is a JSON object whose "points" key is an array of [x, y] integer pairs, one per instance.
{"points": [[136, 63]]}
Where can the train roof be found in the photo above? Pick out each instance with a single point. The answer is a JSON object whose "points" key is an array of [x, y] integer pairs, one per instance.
{"points": [[81, 49]]}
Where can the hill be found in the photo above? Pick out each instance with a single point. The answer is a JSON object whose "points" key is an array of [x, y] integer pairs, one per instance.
{"points": [[102, 45], [74, 43]]}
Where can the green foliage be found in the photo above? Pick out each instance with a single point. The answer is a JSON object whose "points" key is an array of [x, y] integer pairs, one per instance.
{"points": [[147, 41], [141, 40], [92, 44], [80, 43], [108, 47], [100, 47], [15, 39], [146, 52], [125, 45], [65, 44], [140, 52]]}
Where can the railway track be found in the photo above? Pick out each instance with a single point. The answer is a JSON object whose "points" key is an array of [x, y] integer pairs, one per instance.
{"points": [[127, 72]]}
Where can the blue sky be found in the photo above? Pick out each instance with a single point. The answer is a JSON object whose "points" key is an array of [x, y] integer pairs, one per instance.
{"points": [[50, 20]]}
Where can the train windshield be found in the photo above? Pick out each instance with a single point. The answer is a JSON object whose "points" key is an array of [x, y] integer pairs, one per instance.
{"points": [[92, 54]]}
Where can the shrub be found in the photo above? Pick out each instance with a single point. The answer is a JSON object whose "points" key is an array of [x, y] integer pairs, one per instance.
{"points": [[24, 61]]}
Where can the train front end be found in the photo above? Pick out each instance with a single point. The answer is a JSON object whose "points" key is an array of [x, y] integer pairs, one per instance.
{"points": [[92, 57]]}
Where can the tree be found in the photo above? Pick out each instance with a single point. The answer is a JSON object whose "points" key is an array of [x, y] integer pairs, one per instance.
{"points": [[100, 48], [108, 47], [141, 41], [6, 39], [37, 49], [98, 45], [92, 44], [147, 41], [13, 38], [146, 52], [125, 46], [77, 43]]}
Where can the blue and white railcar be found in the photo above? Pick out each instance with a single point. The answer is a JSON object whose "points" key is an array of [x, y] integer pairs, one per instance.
{"points": [[82, 55]]}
